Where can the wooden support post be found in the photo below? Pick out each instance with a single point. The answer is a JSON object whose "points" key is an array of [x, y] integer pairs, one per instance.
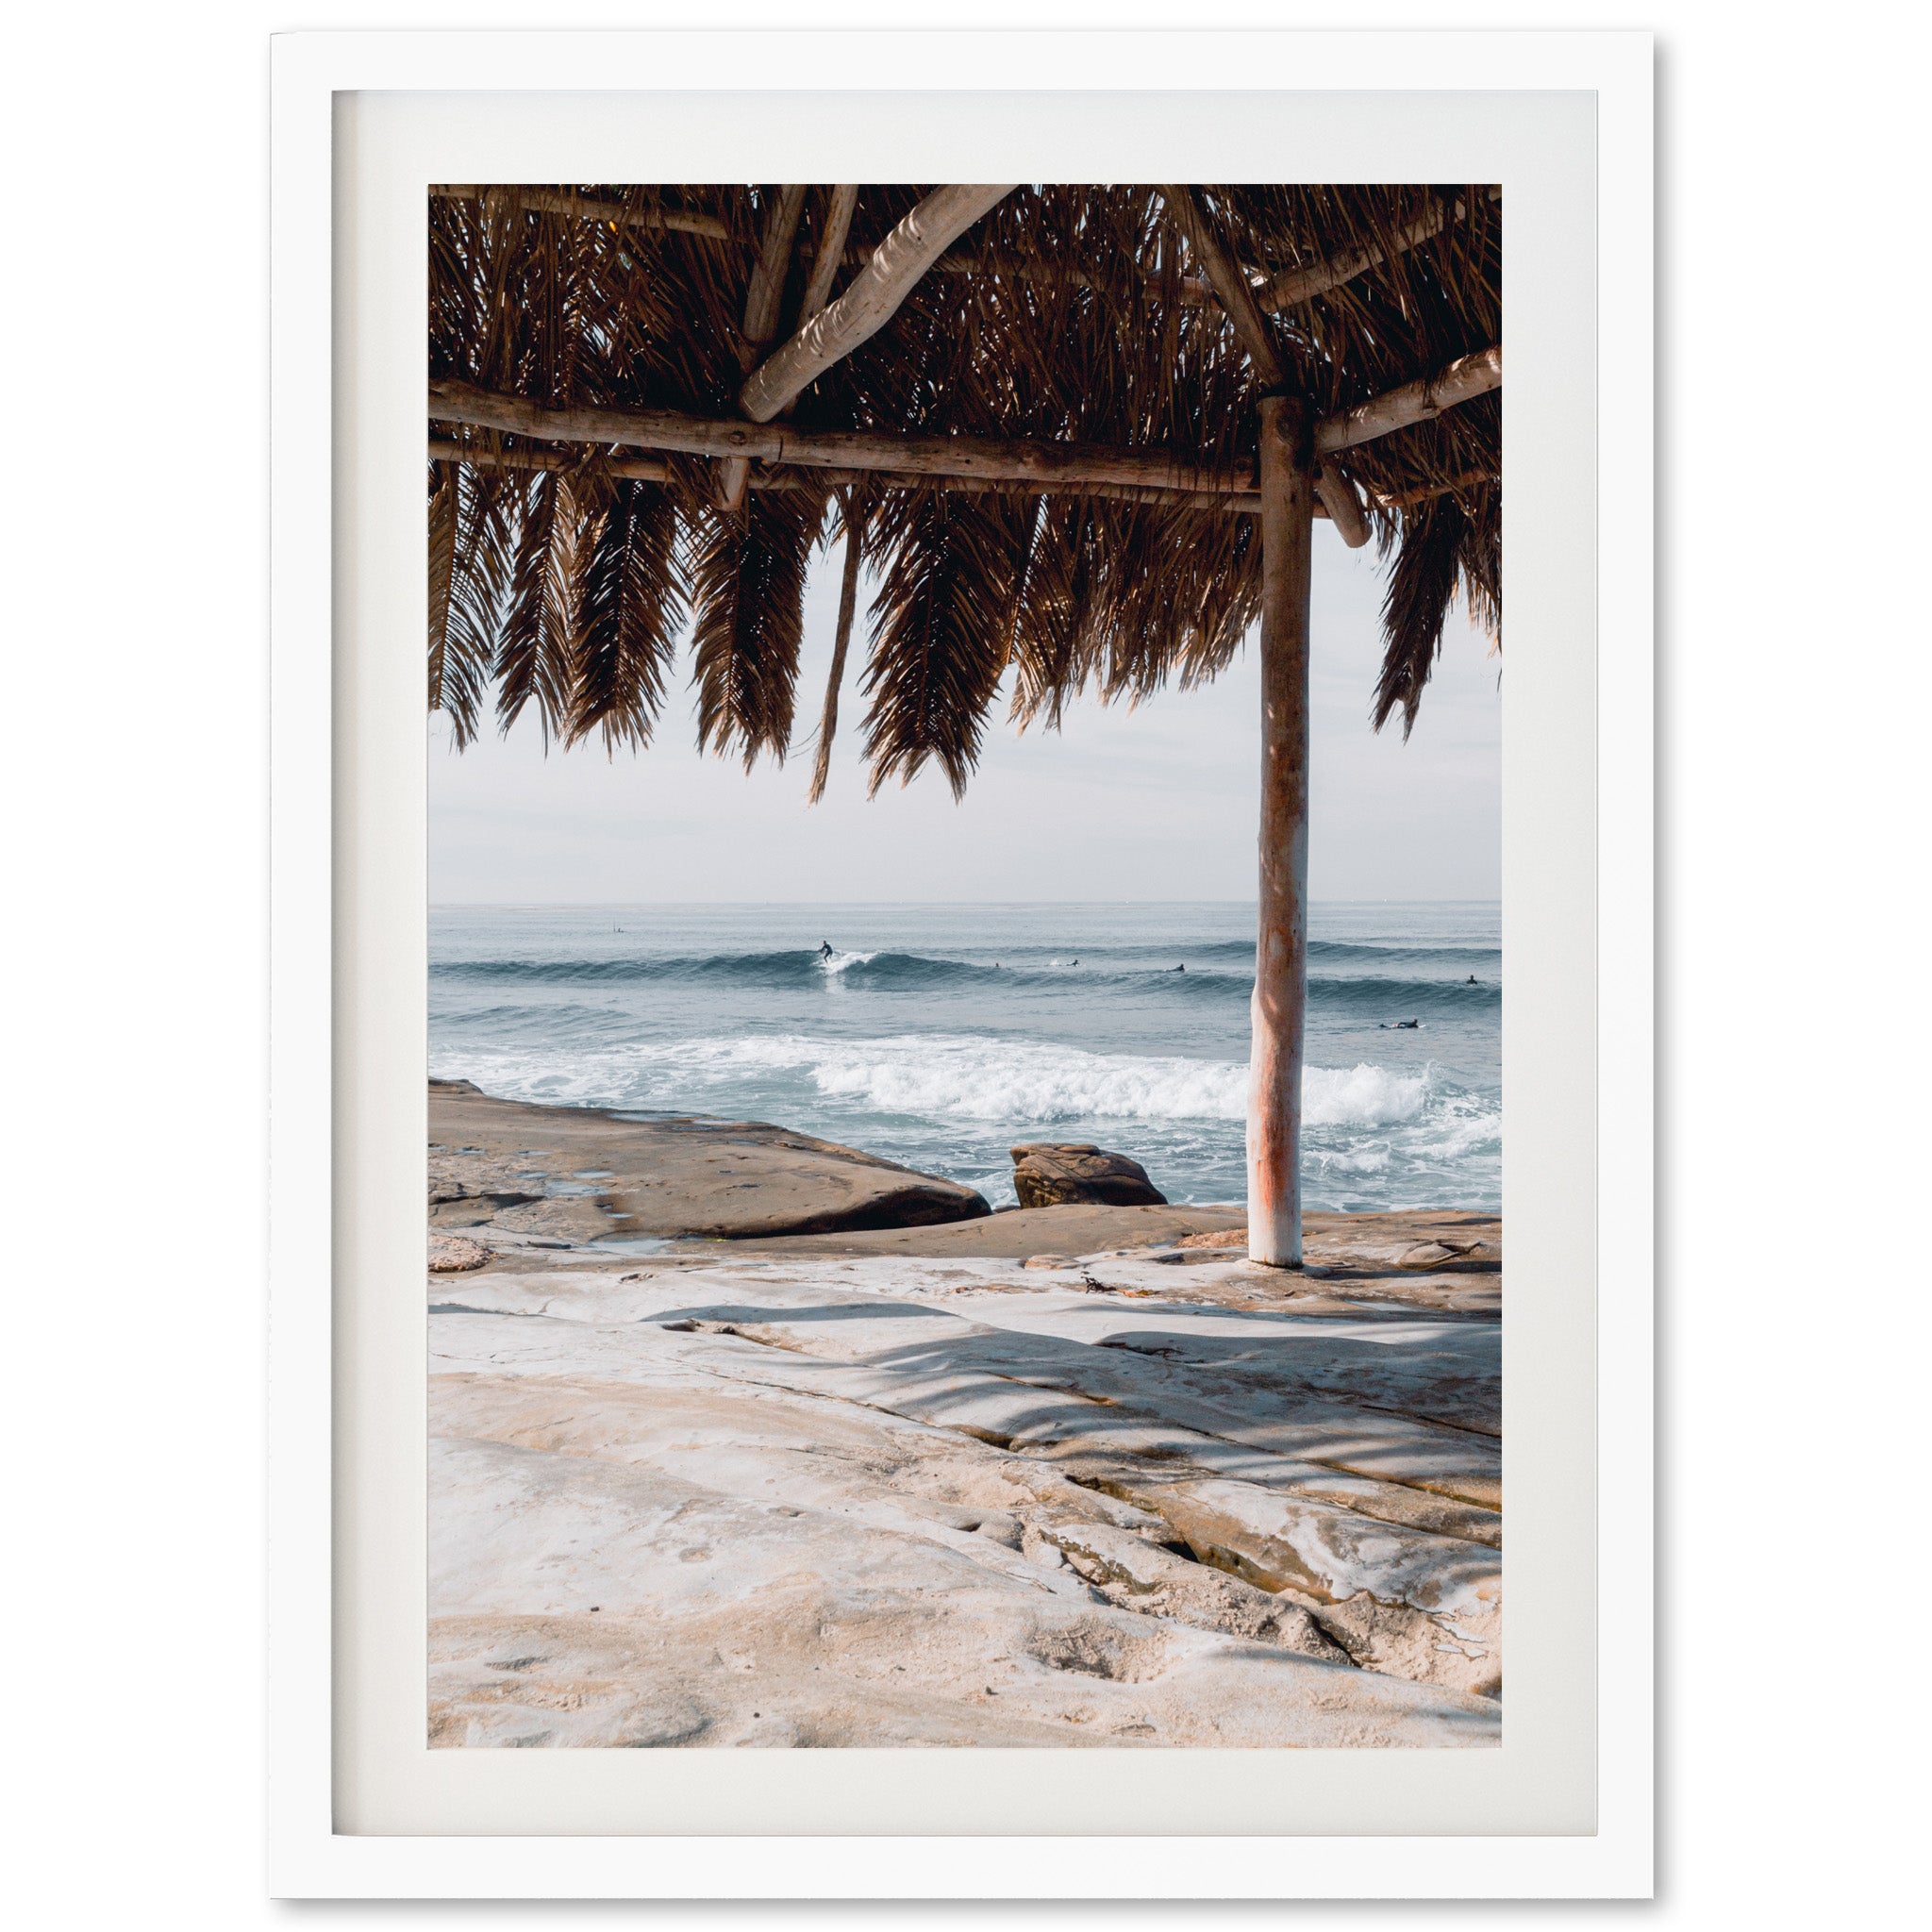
{"points": [[1281, 966]]}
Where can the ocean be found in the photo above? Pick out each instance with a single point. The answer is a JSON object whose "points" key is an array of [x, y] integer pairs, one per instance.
{"points": [[937, 1035]]}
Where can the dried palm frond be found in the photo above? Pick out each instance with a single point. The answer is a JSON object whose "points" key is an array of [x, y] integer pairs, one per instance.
{"points": [[444, 480], [748, 580], [487, 513], [1420, 589], [942, 629], [632, 604], [1068, 314]]}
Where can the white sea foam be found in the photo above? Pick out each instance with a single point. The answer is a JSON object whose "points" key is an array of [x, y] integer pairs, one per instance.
{"points": [[969, 1078], [840, 961]]}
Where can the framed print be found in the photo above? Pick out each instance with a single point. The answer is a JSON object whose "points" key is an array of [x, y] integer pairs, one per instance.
{"points": [[975, 946]]}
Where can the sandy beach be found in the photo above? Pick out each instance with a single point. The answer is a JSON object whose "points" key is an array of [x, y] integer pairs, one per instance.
{"points": [[1073, 1476]]}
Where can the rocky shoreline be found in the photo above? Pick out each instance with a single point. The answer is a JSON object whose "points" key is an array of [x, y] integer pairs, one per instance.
{"points": [[1074, 1475]]}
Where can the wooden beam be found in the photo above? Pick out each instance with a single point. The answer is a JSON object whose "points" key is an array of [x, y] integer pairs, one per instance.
{"points": [[1229, 282], [872, 301], [1336, 495], [1040, 462], [1016, 460], [1301, 284], [655, 470], [1414, 402], [1280, 1008], [830, 252]]}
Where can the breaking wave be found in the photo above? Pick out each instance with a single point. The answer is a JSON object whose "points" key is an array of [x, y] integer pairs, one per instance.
{"points": [[967, 1077], [915, 973]]}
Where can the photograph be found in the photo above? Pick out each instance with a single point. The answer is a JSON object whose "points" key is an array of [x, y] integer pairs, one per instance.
{"points": [[965, 976]]}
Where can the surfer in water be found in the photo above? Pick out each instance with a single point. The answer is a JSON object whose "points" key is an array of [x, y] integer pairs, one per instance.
{"points": [[1471, 980], [824, 949]]}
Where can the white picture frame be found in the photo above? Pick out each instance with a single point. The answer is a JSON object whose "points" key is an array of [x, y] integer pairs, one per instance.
{"points": [[327, 766]]}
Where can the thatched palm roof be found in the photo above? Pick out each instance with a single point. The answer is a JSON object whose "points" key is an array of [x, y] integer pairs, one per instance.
{"points": [[578, 522]]}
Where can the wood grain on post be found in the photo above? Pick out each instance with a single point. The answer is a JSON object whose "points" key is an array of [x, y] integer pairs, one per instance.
{"points": [[1280, 1008]]}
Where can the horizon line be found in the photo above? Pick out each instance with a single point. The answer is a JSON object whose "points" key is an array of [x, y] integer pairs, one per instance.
{"points": [[599, 905]]}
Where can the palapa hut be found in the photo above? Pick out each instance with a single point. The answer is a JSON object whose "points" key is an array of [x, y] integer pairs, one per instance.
{"points": [[1077, 431]]}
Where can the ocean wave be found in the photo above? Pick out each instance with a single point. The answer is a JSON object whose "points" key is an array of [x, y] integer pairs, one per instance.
{"points": [[964, 1077], [887, 971]]}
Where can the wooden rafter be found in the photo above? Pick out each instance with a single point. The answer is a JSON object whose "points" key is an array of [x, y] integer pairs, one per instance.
{"points": [[761, 303], [1467, 377], [1231, 288], [830, 251], [872, 301], [1235, 294], [1303, 284]]}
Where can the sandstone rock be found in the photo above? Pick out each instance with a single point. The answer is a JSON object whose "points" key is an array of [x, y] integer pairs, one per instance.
{"points": [[583, 1172], [1048, 1173], [1137, 1575], [1218, 1237], [657, 1521], [450, 1254]]}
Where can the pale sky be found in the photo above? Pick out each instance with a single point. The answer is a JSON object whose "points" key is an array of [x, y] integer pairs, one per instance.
{"points": [[1157, 803]]}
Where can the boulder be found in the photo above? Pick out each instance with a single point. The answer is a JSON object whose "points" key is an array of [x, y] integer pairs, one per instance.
{"points": [[1051, 1174], [582, 1172]]}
